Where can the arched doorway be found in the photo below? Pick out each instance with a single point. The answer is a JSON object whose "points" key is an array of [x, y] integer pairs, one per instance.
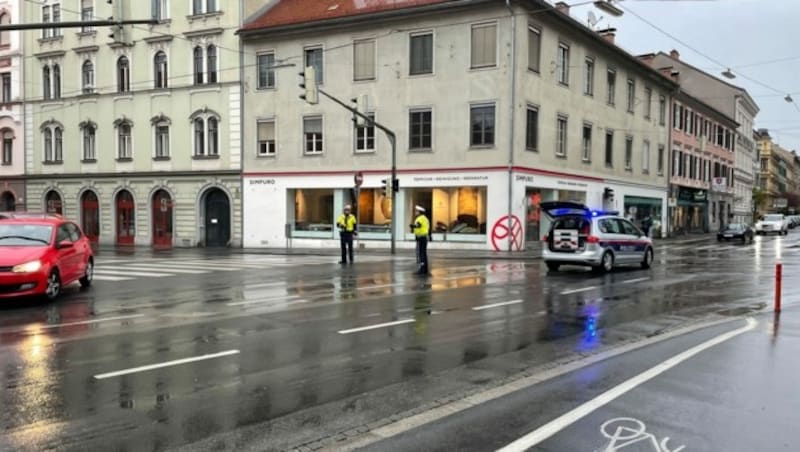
{"points": [[7, 202], [90, 215], [162, 219], [53, 203], [126, 218], [217, 218]]}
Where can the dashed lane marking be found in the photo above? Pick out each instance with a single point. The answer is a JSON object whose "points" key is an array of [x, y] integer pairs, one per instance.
{"points": [[374, 327], [496, 305], [176, 362], [584, 289]]}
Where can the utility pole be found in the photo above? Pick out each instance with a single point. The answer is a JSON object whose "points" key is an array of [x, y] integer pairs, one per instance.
{"points": [[311, 96]]}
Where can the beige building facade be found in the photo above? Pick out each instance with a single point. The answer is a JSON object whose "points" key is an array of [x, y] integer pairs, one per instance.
{"points": [[12, 153]]}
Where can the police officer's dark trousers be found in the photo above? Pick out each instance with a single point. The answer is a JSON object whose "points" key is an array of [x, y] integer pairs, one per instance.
{"points": [[346, 240], [422, 254]]}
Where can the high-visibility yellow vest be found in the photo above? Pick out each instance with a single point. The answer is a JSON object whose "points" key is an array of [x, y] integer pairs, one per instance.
{"points": [[346, 223], [422, 226]]}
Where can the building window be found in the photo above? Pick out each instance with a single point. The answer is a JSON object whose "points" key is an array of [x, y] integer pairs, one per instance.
{"points": [[88, 134], [313, 58], [609, 148], [481, 118], [51, 14], [159, 9], [265, 63], [588, 82], [611, 79], [532, 129], [312, 131], [676, 162], [365, 136], [56, 81], [629, 153], [211, 63], [123, 75], [587, 142], [689, 122], [203, 7], [198, 65], [199, 137], [364, 60], [421, 57], [8, 147], [87, 14], [87, 77], [160, 68], [648, 102], [662, 110], [56, 19], [53, 142], [420, 130], [161, 130], [206, 134], [265, 138], [660, 160], [534, 48], [46, 83], [124, 141], [631, 95], [484, 45], [562, 64], [645, 156], [561, 136], [5, 36], [213, 135], [6, 76]]}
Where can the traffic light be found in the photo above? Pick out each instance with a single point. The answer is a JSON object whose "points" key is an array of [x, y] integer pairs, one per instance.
{"points": [[310, 85], [386, 188], [396, 185], [608, 193]]}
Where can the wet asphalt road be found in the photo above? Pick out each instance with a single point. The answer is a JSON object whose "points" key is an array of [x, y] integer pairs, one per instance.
{"points": [[190, 349]]}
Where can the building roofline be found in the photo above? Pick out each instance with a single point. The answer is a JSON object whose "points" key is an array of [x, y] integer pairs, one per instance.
{"points": [[681, 95], [741, 90]]}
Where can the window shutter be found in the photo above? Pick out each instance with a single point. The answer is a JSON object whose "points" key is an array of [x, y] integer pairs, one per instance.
{"points": [[266, 130], [364, 60]]}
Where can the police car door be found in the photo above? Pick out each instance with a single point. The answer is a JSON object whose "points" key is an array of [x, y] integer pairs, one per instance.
{"points": [[633, 246]]}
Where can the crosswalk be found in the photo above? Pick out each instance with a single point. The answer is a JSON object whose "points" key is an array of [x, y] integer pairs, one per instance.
{"points": [[128, 269]]}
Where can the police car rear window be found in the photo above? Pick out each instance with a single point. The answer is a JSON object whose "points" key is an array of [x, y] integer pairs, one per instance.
{"points": [[579, 223]]}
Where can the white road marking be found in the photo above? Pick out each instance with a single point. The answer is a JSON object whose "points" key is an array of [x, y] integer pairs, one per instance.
{"points": [[585, 289], [97, 277], [165, 364], [270, 284], [632, 281], [264, 300], [373, 327], [88, 322], [496, 305], [103, 271], [565, 420], [175, 268]]}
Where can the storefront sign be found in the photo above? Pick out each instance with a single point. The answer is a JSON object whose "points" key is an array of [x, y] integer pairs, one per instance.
{"points": [[450, 178], [692, 195], [719, 183], [570, 183], [524, 178], [262, 181]]}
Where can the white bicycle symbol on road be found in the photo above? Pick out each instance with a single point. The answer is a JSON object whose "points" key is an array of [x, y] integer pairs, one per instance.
{"points": [[624, 432]]}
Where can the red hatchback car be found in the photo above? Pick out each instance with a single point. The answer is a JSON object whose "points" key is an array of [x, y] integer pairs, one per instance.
{"points": [[40, 254]]}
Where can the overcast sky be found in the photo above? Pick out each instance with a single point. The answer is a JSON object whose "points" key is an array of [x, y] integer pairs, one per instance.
{"points": [[757, 39]]}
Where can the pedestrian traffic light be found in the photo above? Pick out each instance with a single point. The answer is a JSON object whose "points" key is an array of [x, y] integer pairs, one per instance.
{"points": [[309, 84], [386, 188]]}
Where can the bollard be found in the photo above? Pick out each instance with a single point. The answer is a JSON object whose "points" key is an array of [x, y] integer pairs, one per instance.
{"points": [[778, 277]]}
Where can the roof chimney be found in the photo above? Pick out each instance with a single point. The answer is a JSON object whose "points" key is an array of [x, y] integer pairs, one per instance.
{"points": [[675, 54], [562, 8], [608, 34]]}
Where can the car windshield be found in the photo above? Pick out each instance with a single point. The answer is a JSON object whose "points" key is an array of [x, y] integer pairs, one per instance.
{"points": [[25, 234], [735, 227], [773, 218]]}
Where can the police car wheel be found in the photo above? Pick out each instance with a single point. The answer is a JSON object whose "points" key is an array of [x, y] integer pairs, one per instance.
{"points": [[553, 266], [606, 263], [648, 258]]}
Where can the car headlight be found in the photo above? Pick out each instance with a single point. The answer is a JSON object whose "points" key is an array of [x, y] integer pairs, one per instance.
{"points": [[28, 267]]}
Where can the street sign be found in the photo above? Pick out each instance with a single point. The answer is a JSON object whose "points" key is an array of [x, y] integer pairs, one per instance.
{"points": [[358, 178], [780, 203]]}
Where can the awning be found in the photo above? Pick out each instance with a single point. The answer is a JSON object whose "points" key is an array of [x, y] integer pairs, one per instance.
{"points": [[641, 201]]}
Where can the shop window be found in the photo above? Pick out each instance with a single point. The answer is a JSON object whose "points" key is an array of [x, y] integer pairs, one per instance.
{"points": [[313, 211], [374, 212], [454, 211]]}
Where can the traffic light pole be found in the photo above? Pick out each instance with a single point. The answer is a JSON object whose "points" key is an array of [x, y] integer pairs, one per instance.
{"points": [[393, 141]]}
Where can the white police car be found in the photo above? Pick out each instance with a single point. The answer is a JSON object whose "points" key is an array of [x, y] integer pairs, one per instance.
{"points": [[601, 240]]}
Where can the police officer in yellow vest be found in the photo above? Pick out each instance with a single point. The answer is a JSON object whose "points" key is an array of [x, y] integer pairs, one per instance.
{"points": [[421, 228], [347, 229]]}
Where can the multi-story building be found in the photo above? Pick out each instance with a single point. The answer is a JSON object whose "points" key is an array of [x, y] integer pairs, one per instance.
{"points": [[135, 130], [734, 102], [533, 107], [777, 178], [12, 156]]}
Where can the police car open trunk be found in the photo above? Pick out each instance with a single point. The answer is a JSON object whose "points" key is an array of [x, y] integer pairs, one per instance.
{"points": [[571, 226]]}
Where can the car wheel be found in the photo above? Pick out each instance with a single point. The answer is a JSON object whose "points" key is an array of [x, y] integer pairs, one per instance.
{"points": [[648, 259], [719, 239], [88, 276], [606, 263], [53, 289], [552, 266]]}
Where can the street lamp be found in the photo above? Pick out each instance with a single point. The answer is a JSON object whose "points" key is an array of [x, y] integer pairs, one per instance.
{"points": [[788, 98], [728, 74], [608, 7]]}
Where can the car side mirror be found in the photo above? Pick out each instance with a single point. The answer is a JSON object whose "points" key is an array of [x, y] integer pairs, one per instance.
{"points": [[64, 244]]}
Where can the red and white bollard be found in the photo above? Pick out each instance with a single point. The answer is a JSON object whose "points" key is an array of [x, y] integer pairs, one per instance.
{"points": [[778, 278]]}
